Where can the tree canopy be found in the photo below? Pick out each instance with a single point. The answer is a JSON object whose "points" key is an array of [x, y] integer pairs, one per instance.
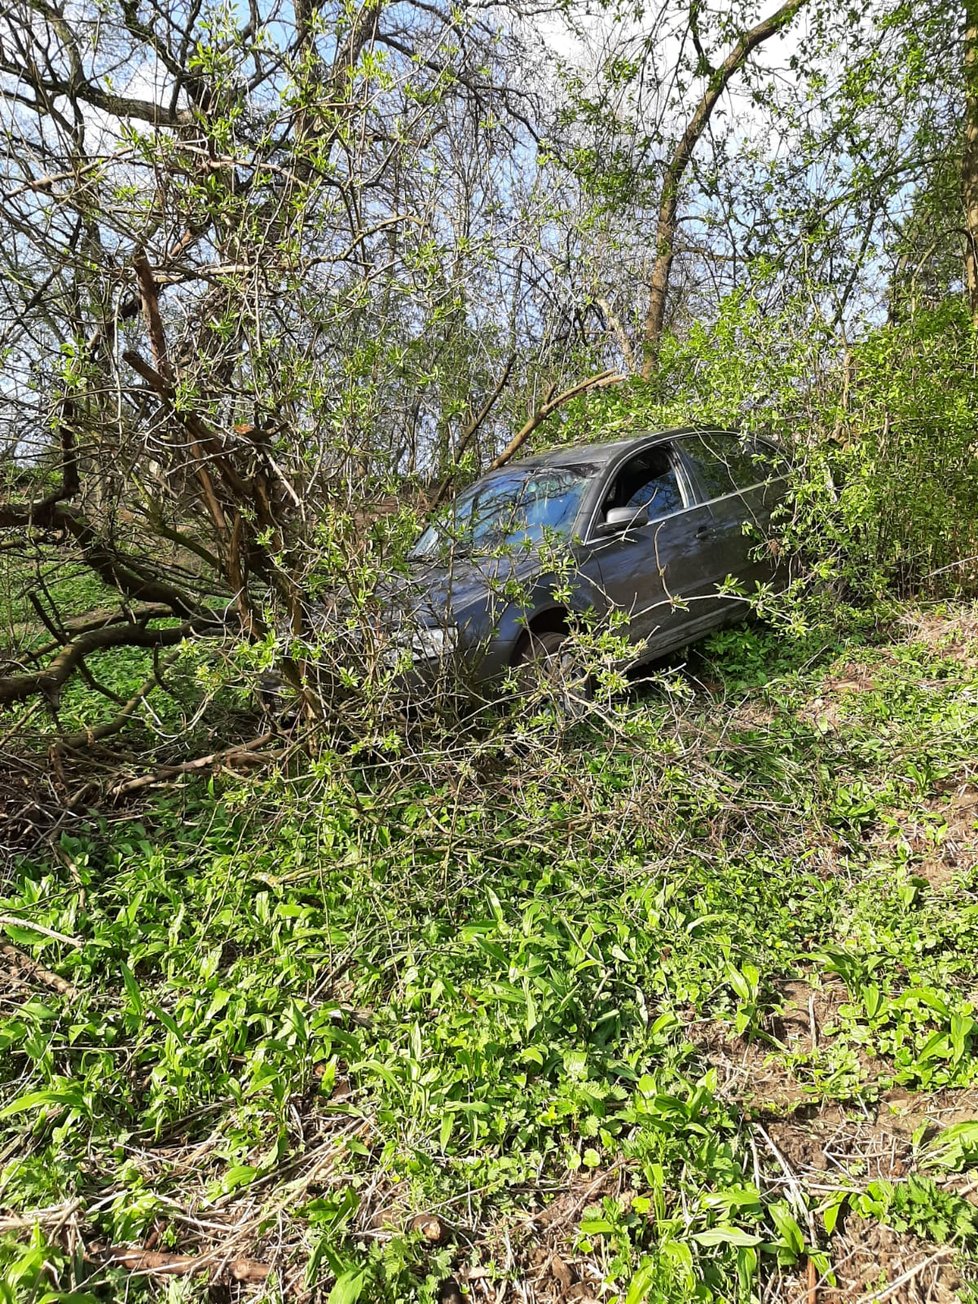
{"points": [[263, 269]]}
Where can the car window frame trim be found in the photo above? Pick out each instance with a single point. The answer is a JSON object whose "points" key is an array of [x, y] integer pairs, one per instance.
{"points": [[687, 487], [736, 492]]}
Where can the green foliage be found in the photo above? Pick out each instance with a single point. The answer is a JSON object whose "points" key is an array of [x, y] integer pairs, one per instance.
{"points": [[908, 484], [919, 1206], [484, 982]]}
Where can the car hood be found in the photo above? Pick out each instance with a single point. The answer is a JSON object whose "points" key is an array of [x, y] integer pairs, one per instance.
{"points": [[458, 589]]}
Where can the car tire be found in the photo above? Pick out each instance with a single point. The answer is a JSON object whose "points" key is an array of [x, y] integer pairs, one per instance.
{"points": [[540, 662]]}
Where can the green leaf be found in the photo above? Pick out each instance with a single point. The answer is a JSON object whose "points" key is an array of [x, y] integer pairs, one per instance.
{"points": [[786, 1224], [596, 1226], [348, 1288], [641, 1282], [726, 1236], [132, 989], [445, 1131], [831, 1215], [72, 1096]]}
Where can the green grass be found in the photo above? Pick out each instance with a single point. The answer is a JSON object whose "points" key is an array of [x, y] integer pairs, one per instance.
{"points": [[191, 674], [512, 986]]}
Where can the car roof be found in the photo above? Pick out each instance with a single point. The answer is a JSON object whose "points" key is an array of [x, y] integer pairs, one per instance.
{"points": [[596, 455]]}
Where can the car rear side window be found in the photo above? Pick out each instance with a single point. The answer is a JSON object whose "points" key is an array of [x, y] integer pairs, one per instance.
{"points": [[727, 464]]}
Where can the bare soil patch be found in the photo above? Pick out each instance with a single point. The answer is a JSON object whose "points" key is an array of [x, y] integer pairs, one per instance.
{"points": [[873, 1265], [821, 1149]]}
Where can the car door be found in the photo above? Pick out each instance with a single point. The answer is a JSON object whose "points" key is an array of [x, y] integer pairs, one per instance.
{"points": [[739, 481], [651, 571]]}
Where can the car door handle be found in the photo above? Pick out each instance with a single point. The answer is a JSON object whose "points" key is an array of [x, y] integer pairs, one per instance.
{"points": [[704, 532]]}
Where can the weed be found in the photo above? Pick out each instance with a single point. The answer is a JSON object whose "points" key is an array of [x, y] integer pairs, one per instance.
{"points": [[297, 1013]]}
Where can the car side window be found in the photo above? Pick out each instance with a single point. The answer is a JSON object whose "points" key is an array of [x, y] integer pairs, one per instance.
{"points": [[727, 464], [647, 480]]}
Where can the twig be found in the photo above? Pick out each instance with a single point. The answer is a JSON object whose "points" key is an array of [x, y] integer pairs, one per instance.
{"points": [[28, 966], [178, 1265], [12, 921], [55, 1215], [878, 1295], [245, 752], [795, 1193]]}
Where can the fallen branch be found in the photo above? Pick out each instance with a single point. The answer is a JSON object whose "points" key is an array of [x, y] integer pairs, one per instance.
{"points": [[551, 404], [88, 737], [49, 681], [178, 1265], [95, 620], [32, 969], [116, 570], [243, 753]]}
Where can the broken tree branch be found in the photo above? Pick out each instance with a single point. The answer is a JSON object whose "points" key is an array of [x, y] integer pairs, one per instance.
{"points": [[49, 681], [552, 403]]}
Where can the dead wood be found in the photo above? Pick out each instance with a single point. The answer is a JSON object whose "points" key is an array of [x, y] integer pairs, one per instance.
{"points": [[178, 1265], [248, 753], [31, 969]]}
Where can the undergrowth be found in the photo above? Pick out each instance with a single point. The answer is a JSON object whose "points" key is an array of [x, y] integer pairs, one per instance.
{"points": [[519, 1014]]}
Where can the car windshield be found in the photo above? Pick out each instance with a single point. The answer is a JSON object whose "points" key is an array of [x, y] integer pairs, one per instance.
{"points": [[512, 507]]}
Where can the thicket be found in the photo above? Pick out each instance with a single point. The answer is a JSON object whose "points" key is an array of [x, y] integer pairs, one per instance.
{"points": [[360, 1000]]}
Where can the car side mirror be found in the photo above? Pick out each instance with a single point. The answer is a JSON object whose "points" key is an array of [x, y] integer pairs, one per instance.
{"points": [[620, 519]]}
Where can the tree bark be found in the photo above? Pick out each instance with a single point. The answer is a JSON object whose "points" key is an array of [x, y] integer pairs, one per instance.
{"points": [[969, 158], [667, 222], [49, 681]]}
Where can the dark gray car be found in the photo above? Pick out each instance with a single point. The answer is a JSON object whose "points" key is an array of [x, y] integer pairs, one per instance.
{"points": [[652, 525]]}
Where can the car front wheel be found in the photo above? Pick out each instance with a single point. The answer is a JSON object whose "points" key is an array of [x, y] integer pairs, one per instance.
{"points": [[544, 660]]}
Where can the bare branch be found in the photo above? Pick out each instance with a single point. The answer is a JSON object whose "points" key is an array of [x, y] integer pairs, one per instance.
{"points": [[600, 381]]}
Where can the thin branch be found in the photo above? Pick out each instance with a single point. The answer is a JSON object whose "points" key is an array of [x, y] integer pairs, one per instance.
{"points": [[665, 236], [470, 431], [88, 737]]}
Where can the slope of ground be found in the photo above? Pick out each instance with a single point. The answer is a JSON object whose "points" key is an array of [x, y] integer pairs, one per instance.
{"points": [[674, 1003]]}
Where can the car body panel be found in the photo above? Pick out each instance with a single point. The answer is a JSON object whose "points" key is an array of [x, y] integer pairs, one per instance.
{"points": [[664, 574]]}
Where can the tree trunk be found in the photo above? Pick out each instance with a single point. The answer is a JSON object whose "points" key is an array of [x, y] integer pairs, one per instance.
{"points": [[666, 225], [969, 159]]}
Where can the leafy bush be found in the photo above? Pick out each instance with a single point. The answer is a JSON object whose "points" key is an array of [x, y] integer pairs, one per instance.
{"points": [[884, 437]]}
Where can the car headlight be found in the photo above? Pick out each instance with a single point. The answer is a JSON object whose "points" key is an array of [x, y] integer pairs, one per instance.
{"points": [[425, 644], [434, 643]]}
